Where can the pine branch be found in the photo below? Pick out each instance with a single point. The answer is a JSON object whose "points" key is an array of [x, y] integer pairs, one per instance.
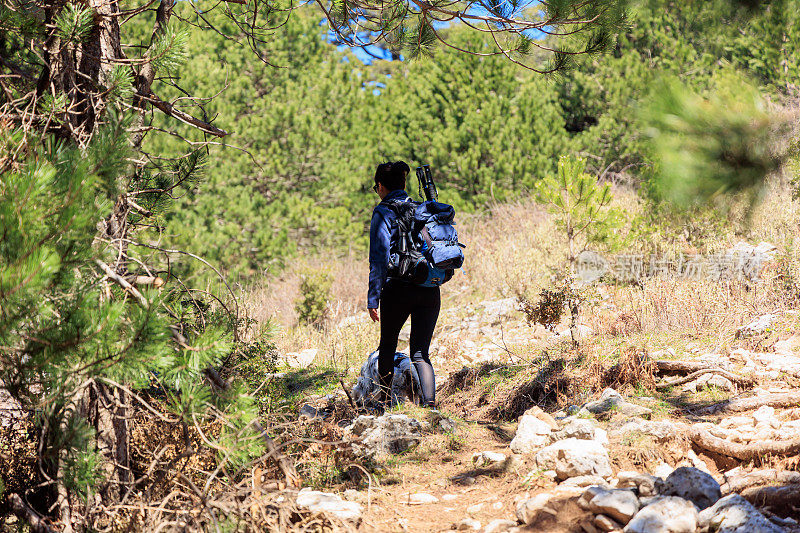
{"points": [[122, 282], [172, 111]]}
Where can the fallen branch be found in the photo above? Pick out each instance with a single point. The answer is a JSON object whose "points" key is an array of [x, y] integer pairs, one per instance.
{"points": [[744, 452], [31, 517], [694, 375], [669, 365], [785, 399], [757, 478]]}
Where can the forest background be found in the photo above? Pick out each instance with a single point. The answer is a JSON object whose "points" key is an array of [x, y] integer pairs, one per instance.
{"points": [[294, 177]]}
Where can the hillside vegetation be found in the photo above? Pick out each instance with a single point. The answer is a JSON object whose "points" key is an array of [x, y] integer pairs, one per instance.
{"points": [[297, 174]]}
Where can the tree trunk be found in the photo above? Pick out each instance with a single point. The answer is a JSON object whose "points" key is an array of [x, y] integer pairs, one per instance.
{"points": [[78, 70], [108, 410]]}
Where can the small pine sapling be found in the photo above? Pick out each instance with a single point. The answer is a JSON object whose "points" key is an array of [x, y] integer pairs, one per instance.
{"points": [[581, 207]]}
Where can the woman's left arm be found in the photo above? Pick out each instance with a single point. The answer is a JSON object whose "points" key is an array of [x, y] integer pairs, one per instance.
{"points": [[379, 237]]}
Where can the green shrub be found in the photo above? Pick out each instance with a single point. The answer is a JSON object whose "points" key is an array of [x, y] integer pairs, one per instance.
{"points": [[315, 293]]}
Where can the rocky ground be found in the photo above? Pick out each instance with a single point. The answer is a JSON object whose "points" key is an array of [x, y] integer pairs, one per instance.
{"points": [[721, 457]]}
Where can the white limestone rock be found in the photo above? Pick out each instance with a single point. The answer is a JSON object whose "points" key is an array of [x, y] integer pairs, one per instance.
{"points": [[575, 457], [316, 501]]}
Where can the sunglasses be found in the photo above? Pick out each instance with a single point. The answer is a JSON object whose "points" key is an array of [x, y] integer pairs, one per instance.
{"points": [[375, 188]]}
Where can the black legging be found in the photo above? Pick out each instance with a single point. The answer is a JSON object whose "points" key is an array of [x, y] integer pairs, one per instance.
{"points": [[400, 299]]}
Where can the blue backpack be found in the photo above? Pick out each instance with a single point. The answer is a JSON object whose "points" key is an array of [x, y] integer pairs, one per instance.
{"points": [[426, 250]]}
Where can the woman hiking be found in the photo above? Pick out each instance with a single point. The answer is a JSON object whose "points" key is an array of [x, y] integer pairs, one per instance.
{"points": [[398, 299]]}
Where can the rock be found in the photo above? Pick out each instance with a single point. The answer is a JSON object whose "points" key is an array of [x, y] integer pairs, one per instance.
{"points": [[663, 470], [301, 359], [577, 428], [665, 515], [758, 326], [531, 435], [645, 484], [619, 504], [449, 497], [574, 457], [543, 416], [611, 400], [584, 481], [734, 514], [720, 382], [499, 525], [316, 501], [488, 459], [475, 509], [694, 485], [606, 524], [468, 524], [532, 510], [437, 421], [385, 435], [421, 498], [660, 430], [310, 412]]}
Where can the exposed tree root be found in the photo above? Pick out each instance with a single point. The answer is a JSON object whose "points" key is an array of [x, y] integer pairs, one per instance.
{"points": [[786, 399], [669, 365], [694, 375], [758, 478], [745, 452], [777, 497]]}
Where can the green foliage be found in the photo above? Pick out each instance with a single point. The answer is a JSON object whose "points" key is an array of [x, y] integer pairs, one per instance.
{"points": [[315, 294], [120, 83], [315, 128], [169, 51], [74, 22], [706, 145], [581, 206], [66, 330]]}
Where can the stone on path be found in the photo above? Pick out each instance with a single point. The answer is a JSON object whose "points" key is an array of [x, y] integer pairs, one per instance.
{"points": [[326, 502], [468, 524], [537, 412], [645, 484], [694, 485], [499, 525], [610, 401], [574, 457], [606, 524], [661, 430], [532, 433], [421, 498], [734, 514], [619, 504], [385, 435], [488, 459], [532, 510], [668, 514]]}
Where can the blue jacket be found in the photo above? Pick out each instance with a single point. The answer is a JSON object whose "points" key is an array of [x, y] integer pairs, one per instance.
{"points": [[381, 231]]}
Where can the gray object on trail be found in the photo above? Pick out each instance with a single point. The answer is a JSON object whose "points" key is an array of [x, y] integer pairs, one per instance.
{"points": [[405, 382]]}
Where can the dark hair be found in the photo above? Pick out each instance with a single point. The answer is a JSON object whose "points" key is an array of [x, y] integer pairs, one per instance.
{"points": [[392, 175]]}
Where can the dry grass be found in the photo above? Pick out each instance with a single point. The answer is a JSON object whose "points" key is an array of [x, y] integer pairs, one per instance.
{"points": [[513, 248]]}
